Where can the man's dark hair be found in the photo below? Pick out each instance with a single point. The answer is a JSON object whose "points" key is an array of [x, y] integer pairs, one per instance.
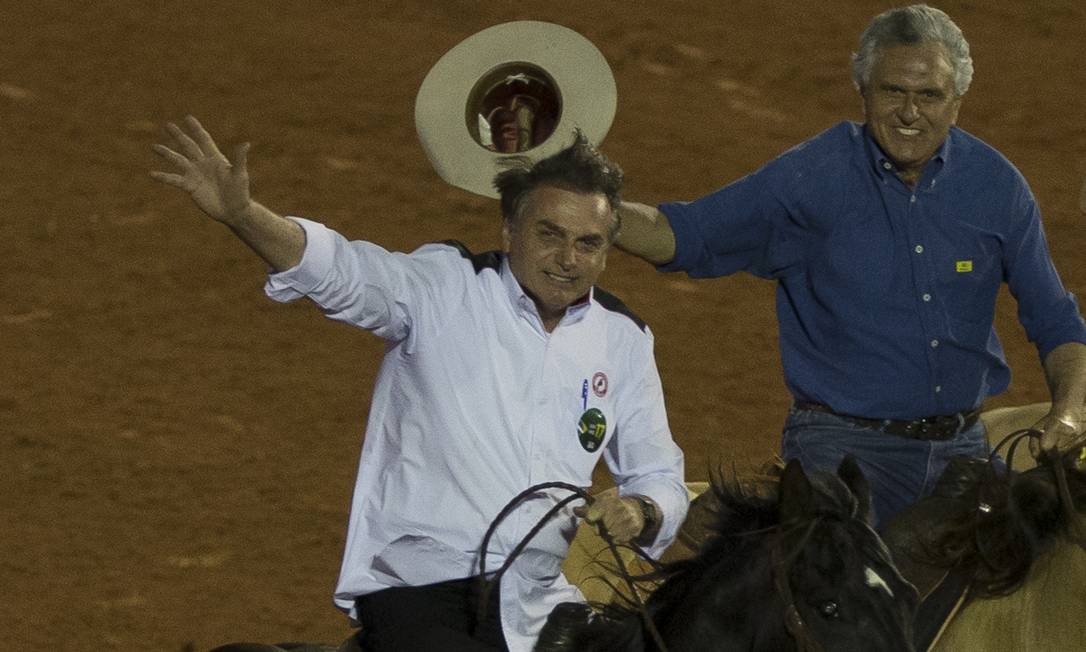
{"points": [[579, 168]]}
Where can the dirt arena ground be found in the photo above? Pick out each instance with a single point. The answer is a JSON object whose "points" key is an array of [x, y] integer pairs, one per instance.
{"points": [[178, 452]]}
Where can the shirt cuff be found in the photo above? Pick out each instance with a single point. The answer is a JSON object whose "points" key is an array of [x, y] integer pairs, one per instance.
{"points": [[315, 266], [673, 506], [680, 226]]}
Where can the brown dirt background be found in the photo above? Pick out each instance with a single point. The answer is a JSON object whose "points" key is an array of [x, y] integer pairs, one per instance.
{"points": [[178, 452]]}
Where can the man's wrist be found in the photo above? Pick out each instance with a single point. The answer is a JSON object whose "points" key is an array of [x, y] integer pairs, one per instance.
{"points": [[650, 516], [237, 217]]}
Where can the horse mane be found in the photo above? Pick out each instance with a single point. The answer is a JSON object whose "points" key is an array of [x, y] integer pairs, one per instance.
{"points": [[745, 509], [988, 521]]}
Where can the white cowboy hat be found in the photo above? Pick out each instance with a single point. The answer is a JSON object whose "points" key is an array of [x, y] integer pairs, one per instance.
{"points": [[518, 88]]}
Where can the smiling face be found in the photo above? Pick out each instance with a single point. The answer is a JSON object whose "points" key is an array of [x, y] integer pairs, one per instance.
{"points": [[557, 246], [910, 104]]}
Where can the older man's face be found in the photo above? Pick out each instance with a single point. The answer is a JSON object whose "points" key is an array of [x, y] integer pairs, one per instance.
{"points": [[910, 104], [557, 247]]}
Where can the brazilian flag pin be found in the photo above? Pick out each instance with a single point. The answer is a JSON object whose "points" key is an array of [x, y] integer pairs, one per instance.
{"points": [[591, 429]]}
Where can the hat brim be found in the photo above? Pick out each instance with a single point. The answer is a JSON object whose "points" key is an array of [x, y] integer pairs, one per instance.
{"points": [[578, 69]]}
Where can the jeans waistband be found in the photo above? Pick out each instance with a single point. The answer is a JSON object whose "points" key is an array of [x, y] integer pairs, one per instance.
{"points": [[939, 427]]}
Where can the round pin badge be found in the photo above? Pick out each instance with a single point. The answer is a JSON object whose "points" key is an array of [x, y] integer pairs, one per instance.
{"points": [[591, 429], [599, 384]]}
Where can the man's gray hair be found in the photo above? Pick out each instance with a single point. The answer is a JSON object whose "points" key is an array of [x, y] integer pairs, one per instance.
{"points": [[909, 26]]}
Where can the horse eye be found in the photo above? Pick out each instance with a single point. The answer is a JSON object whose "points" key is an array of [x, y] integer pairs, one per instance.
{"points": [[828, 609]]}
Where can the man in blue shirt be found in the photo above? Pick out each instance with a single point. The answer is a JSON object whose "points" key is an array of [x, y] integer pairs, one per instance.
{"points": [[888, 241]]}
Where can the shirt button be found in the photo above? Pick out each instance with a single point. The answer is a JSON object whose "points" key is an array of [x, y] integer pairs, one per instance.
{"points": [[926, 297], [934, 343], [938, 388], [912, 200], [919, 249], [886, 165]]}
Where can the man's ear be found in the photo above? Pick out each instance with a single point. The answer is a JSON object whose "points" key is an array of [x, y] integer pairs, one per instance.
{"points": [[507, 235]]}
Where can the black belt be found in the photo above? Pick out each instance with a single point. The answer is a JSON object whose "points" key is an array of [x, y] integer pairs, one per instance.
{"points": [[936, 428]]}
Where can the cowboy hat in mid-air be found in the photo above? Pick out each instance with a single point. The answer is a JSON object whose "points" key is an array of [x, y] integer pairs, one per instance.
{"points": [[518, 88]]}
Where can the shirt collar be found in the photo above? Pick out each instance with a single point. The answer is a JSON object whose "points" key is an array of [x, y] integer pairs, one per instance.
{"points": [[884, 166], [521, 301]]}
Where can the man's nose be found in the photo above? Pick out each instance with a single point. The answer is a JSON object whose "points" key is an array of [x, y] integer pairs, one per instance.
{"points": [[909, 112], [566, 256]]}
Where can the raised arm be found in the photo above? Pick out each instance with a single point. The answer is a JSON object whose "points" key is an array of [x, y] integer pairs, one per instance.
{"points": [[645, 233], [220, 188]]}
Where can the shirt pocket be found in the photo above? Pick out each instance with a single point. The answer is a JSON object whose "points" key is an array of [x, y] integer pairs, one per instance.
{"points": [[967, 273]]}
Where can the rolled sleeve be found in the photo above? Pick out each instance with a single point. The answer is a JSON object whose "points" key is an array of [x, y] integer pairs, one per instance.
{"points": [[739, 227], [1047, 311], [316, 264]]}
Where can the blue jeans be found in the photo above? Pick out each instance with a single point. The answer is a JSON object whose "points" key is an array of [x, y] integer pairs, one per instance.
{"points": [[899, 470]]}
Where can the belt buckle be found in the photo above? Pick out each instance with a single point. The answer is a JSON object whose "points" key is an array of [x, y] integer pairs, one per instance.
{"points": [[925, 428]]}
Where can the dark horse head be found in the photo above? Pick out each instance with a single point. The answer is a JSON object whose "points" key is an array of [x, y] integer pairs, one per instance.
{"points": [[794, 568]]}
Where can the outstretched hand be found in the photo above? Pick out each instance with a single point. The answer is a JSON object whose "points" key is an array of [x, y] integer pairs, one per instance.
{"points": [[219, 187]]}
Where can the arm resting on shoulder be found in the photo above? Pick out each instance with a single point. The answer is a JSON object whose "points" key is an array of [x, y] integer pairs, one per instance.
{"points": [[645, 233]]}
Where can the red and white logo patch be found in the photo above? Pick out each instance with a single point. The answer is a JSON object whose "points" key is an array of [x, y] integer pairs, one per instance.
{"points": [[599, 384]]}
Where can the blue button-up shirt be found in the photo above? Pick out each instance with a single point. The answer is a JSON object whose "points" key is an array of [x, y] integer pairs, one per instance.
{"points": [[886, 293]]}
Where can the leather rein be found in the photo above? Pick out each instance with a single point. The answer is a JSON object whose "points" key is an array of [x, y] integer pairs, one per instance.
{"points": [[577, 493], [1076, 525], [781, 569]]}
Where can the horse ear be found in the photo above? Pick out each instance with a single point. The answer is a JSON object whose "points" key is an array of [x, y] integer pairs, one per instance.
{"points": [[850, 473], [795, 493]]}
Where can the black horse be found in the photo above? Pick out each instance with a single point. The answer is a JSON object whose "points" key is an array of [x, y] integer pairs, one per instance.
{"points": [[795, 568]]}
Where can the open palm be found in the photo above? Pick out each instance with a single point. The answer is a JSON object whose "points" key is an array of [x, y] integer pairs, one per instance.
{"points": [[217, 186]]}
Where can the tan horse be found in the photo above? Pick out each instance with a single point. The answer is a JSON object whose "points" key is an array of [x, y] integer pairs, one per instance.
{"points": [[1045, 615]]}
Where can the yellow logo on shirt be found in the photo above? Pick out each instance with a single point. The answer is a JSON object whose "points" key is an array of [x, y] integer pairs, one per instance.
{"points": [[963, 266]]}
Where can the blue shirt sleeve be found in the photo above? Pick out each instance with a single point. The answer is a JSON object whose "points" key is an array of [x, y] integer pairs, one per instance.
{"points": [[1047, 311], [755, 224]]}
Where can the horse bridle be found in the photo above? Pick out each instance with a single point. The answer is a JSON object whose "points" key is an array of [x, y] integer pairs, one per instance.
{"points": [[781, 569]]}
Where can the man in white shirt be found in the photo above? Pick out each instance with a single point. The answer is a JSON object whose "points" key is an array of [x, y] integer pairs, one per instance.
{"points": [[503, 370]]}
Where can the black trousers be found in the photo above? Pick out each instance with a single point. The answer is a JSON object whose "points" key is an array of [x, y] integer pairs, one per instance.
{"points": [[433, 617]]}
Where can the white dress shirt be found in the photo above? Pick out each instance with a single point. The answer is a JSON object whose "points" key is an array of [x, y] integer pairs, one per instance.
{"points": [[474, 403]]}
